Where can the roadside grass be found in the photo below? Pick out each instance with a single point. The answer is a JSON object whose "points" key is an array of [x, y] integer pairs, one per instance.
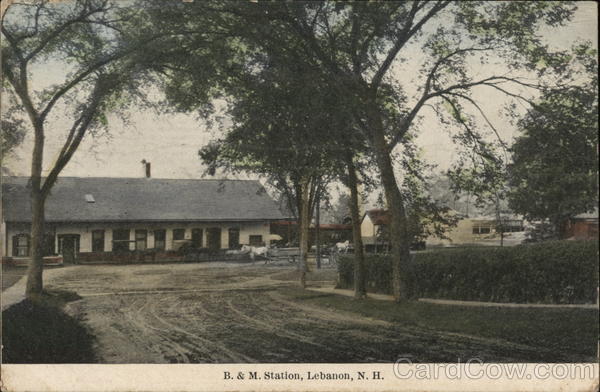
{"points": [[41, 332], [570, 333]]}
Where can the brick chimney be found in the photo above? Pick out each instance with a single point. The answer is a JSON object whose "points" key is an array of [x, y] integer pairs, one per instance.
{"points": [[146, 168]]}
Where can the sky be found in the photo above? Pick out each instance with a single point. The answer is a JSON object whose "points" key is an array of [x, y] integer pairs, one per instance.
{"points": [[171, 141]]}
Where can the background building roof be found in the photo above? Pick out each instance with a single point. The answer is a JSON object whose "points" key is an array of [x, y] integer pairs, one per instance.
{"points": [[588, 215], [323, 226], [379, 216], [142, 199]]}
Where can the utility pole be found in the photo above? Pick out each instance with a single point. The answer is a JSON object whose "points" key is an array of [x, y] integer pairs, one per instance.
{"points": [[318, 223], [499, 221]]}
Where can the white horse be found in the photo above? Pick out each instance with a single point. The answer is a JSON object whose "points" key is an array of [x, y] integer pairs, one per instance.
{"points": [[342, 247], [256, 251]]}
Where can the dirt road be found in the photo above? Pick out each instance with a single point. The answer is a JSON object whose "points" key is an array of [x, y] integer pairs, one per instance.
{"points": [[11, 275], [221, 313]]}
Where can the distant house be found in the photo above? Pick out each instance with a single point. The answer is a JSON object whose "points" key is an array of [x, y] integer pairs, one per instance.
{"points": [[371, 225], [120, 218], [374, 226], [469, 231], [330, 233], [483, 230], [583, 226]]}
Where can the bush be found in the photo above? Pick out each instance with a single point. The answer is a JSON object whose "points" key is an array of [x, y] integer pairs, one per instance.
{"points": [[378, 269], [550, 272]]}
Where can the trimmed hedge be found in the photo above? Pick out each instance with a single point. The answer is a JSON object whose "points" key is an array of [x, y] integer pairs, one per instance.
{"points": [[550, 272]]}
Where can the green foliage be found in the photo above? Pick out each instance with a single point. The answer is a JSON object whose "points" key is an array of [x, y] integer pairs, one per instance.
{"points": [[279, 120], [551, 272], [90, 46], [11, 136], [338, 211], [481, 174], [12, 125], [378, 270], [517, 24], [91, 40], [554, 174], [425, 215]]}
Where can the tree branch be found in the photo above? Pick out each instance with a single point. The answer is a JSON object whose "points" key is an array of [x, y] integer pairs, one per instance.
{"points": [[36, 18], [303, 29], [468, 129], [20, 89], [76, 134], [480, 110], [404, 36], [88, 71], [517, 96], [444, 59], [56, 32]]}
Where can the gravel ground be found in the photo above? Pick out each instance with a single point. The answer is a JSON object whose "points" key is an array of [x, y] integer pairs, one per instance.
{"points": [[225, 313]]}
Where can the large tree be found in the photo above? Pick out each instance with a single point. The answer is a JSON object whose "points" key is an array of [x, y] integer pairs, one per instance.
{"points": [[88, 43], [287, 123], [362, 47], [283, 128], [554, 173]]}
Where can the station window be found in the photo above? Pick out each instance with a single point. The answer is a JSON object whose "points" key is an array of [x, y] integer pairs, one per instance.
{"points": [[98, 241], [21, 245]]}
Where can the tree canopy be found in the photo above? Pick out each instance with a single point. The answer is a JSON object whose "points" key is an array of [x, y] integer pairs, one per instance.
{"points": [[554, 173], [94, 41], [360, 48], [296, 73]]}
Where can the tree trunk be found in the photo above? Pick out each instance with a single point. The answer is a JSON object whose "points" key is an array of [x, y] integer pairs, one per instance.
{"points": [[499, 221], [318, 228], [34, 284], [399, 238], [360, 287], [304, 228], [561, 225]]}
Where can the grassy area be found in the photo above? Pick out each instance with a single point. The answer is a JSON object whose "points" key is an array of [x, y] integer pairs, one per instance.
{"points": [[570, 333], [41, 332]]}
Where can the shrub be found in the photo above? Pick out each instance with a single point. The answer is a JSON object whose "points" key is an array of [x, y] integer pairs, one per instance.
{"points": [[378, 269], [549, 272]]}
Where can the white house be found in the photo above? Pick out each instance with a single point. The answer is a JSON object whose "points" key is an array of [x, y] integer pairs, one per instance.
{"points": [[373, 220], [106, 218], [483, 230], [468, 231]]}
